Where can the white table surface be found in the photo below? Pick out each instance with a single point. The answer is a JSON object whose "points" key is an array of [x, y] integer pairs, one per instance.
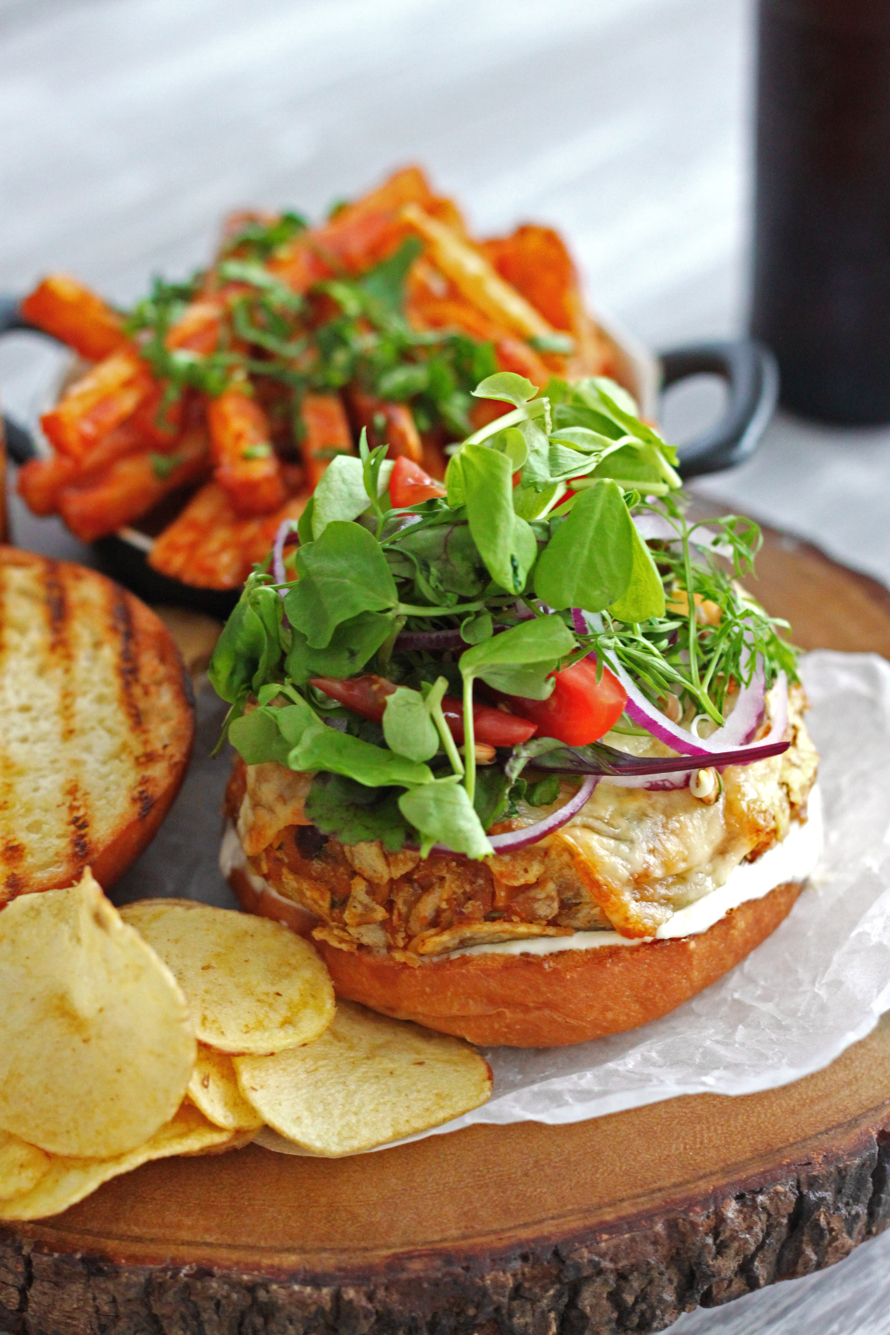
{"points": [[128, 127]]}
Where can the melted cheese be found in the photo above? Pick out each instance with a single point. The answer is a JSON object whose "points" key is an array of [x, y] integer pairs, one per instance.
{"points": [[794, 859]]}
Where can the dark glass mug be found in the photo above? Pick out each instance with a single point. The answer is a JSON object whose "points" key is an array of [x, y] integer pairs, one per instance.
{"points": [[821, 283]]}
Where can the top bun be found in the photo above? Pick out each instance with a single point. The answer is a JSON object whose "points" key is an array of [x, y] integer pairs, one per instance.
{"points": [[96, 724]]}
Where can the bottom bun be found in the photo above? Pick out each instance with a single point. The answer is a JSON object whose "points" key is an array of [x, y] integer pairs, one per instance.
{"points": [[568, 996]]}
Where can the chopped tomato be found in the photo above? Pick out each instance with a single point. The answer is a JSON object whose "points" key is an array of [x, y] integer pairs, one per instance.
{"points": [[367, 696], [581, 709], [409, 484]]}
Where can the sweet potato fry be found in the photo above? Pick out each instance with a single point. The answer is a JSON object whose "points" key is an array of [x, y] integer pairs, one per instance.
{"points": [[206, 508], [536, 262], [246, 463], [72, 313], [428, 309], [131, 486], [475, 277], [41, 481], [357, 237], [391, 423], [106, 396], [326, 433], [210, 546], [199, 328]]}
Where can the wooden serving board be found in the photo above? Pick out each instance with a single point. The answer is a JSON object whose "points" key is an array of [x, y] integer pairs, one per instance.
{"points": [[615, 1224]]}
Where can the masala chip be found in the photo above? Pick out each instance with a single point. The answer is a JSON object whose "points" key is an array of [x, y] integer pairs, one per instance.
{"points": [[96, 1042], [69, 1180], [21, 1165], [252, 985], [366, 1081], [214, 1089]]}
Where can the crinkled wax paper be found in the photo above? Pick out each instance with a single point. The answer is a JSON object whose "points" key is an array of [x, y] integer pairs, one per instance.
{"points": [[814, 987]]}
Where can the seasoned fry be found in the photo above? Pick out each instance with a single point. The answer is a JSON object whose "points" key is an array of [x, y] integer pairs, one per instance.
{"points": [[326, 433], [389, 423], [106, 396], [209, 546], [433, 304], [72, 313], [207, 511], [536, 262], [246, 464], [40, 482], [199, 328], [131, 486], [357, 237], [287, 345], [474, 276]]}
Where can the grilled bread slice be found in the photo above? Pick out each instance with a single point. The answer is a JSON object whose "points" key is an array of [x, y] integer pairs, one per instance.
{"points": [[96, 724]]}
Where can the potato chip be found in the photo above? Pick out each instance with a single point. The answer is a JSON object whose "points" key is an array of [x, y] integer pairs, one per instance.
{"points": [[96, 1044], [252, 985], [366, 1081], [21, 1165], [69, 1180], [214, 1089]]}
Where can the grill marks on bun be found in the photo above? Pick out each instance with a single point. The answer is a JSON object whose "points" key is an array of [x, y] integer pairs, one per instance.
{"points": [[96, 724]]}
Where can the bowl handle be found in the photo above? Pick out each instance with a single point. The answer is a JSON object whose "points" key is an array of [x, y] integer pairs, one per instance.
{"points": [[20, 444], [750, 370]]}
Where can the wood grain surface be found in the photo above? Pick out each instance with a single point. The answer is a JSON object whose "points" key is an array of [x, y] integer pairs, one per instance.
{"points": [[615, 1224]]}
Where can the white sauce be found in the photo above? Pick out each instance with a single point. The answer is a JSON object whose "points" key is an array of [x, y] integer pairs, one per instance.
{"points": [[794, 859], [232, 857]]}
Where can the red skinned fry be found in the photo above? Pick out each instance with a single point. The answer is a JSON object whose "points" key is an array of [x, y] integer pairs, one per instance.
{"points": [[326, 433], [246, 463], [131, 486], [367, 695], [70, 312], [101, 400]]}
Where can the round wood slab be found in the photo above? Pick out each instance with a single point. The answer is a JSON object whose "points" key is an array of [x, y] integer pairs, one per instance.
{"points": [[615, 1224]]}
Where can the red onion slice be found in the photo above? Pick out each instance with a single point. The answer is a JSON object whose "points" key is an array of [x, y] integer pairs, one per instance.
{"points": [[735, 732], [514, 839], [286, 527]]}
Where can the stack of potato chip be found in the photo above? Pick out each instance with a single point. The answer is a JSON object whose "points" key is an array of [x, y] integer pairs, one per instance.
{"points": [[176, 1028]]}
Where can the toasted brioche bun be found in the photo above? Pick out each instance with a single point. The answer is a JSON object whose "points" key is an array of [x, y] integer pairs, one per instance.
{"points": [[96, 724], [529, 1001]]}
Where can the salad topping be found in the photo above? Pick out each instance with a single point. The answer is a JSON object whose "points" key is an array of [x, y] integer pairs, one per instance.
{"points": [[434, 659]]}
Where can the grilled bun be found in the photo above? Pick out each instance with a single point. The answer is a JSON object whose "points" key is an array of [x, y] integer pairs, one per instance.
{"points": [[552, 1000], [528, 1001], [96, 724]]}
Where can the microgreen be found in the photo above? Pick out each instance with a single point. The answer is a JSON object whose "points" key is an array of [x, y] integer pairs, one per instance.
{"points": [[501, 576]]}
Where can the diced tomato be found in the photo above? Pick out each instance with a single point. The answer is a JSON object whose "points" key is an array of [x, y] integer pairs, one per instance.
{"points": [[367, 696], [581, 709], [409, 484]]}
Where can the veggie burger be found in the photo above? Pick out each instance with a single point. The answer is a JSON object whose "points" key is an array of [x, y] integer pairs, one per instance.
{"points": [[518, 752]]}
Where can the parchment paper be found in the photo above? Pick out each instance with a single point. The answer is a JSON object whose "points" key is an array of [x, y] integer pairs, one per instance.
{"points": [[814, 987]]}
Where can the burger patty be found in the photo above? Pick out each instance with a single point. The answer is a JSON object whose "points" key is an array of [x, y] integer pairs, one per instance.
{"points": [[626, 862]]}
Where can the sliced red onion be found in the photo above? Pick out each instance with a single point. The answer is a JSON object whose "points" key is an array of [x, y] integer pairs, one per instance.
{"points": [[514, 839], [738, 728], [430, 640], [286, 527]]}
